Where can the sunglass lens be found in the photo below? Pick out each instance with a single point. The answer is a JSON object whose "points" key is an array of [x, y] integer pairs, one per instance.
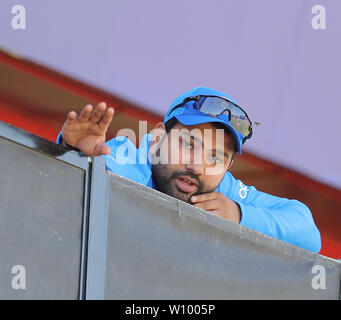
{"points": [[239, 121], [215, 106], [212, 105]]}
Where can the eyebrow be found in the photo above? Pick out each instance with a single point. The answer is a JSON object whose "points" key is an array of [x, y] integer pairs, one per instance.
{"points": [[224, 154]]}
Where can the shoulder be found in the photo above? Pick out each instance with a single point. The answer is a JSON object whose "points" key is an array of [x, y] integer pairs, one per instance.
{"points": [[125, 160], [233, 188], [119, 144]]}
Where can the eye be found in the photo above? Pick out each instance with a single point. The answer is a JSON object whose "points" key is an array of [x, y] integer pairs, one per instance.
{"points": [[186, 144]]}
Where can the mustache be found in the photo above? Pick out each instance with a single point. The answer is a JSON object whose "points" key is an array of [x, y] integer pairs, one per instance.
{"points": [[189, 174]]}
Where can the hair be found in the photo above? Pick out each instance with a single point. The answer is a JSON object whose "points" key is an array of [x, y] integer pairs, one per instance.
{"points": [[170, 124], [231, 141]]}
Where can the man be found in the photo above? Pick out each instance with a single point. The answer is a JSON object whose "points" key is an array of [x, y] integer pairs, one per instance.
{"points": [[199, 175]]}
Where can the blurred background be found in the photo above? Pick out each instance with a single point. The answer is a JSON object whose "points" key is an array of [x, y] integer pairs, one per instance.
{"points": [[139, 55]]}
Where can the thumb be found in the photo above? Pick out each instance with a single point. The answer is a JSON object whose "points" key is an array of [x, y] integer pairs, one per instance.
{"points": [[101, 149]]}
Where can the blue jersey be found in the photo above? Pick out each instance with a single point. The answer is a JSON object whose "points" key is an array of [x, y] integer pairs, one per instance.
{"points": [[281, 218]]}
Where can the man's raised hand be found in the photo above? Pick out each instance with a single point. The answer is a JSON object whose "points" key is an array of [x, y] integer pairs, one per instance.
{"points": [[87, 130]]}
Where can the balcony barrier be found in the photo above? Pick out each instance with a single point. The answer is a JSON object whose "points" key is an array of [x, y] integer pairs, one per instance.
{"points": [[71, 230]]}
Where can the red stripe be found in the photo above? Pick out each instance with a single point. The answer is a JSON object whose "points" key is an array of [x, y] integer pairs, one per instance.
{"points": [[39, 128], [294, 177], [78, 87]]}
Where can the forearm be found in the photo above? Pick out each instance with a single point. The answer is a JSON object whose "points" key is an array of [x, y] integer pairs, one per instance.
{"points": [[290, 221]]}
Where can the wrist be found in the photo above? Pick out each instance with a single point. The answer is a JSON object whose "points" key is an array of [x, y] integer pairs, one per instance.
{"points": [[65, 145], [238, 212], [233, 212]]}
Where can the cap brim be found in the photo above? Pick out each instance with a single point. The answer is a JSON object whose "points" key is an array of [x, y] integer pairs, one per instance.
{"points": [[191, 120]]}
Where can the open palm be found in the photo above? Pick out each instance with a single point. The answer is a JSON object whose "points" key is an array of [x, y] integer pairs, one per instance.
{"points": [[87, 130]]}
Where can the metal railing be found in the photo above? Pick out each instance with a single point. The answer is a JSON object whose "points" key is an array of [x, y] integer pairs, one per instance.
{"points": [[71, 230]]}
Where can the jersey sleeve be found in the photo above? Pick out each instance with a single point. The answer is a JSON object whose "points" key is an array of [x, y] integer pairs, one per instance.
{"points": [[285, 219], [58, 137]]}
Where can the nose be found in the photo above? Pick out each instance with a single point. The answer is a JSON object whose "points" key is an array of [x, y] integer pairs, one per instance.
{"points": [[197, 169]]}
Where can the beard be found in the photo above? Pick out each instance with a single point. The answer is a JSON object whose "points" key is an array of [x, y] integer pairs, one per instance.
{"points": [[165, 182]]}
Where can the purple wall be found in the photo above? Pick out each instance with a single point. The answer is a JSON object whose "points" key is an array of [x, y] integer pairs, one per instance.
{"points": [[263, 53]]}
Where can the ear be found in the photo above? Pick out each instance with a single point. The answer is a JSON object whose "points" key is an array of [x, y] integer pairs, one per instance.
{"points": [[158, 133], [230, 165]]}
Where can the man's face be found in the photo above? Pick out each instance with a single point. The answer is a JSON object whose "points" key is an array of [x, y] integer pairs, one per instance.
{"points": [[190, 160]]}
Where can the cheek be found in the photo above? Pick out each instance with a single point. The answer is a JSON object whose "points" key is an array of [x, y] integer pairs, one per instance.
{"points": [[211, 182], [216, 171], [163, 153], [174, 152], [177, 156]]}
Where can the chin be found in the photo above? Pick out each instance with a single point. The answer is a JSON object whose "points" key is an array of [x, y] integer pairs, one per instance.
{"points": [[181, 195]]}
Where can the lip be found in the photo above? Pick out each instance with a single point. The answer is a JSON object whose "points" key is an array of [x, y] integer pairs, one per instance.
{"points": [[192, 180], [185, 186]]}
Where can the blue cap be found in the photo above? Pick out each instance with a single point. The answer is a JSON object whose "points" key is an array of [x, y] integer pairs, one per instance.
{"points": [[188, 116]]}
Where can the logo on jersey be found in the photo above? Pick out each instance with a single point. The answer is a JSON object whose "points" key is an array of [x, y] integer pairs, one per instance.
{"points": [[243, 190]]}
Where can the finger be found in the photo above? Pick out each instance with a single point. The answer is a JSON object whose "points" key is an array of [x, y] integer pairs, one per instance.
{"points": [[85, 113], [101, 149], [216, 212], [98, 113], [105, 122], [71, 117], [204, 197], [208, 205]]}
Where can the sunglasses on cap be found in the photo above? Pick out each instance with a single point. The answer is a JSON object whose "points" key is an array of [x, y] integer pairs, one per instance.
{"points": [[215, 106]]}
